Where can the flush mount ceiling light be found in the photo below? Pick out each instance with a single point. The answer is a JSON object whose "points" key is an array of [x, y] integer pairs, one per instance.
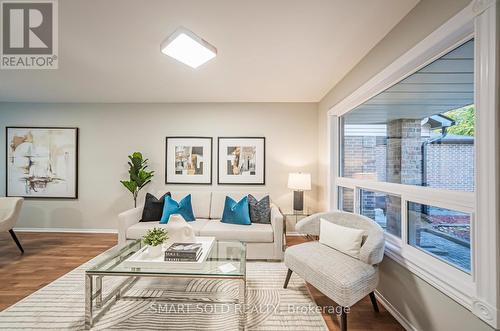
{"points": [[186, 47]]}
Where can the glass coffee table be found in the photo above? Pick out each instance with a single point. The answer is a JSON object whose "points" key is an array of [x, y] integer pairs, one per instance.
{"points": [[110, 264]]}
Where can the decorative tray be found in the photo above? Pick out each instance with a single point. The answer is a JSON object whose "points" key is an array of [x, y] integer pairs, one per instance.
{"points": [[141, 259]]}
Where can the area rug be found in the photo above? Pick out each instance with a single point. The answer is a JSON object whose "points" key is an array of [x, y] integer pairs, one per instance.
{"points": [[60, 305]]}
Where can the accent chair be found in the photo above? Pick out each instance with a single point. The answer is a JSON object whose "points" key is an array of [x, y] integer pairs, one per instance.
{"points": [[339, 276], [10, 208]]}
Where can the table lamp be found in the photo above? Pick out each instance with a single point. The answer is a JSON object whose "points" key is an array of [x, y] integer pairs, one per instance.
{"points": [[299, 182]]}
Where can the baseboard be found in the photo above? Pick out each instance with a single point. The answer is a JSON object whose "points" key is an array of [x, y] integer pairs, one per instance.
{"points": [[293, 234], [395, 313], [68, 230]]}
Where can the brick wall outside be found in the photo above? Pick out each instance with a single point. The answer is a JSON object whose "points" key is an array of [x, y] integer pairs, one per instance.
{"points": [[398, 158], [381, 158], [411, 152], [360, 161], [404, 155], [359, 155], [346, 199], [450, 166]]}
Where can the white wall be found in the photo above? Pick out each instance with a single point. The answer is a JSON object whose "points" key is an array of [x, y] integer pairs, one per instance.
{"points": [[420, 304], [109, 132]]}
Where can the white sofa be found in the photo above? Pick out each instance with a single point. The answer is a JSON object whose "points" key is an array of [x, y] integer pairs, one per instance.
{"points": [[264, 241]]}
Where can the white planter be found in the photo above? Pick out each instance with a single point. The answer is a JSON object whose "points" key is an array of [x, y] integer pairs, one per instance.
{"points": [[154, 251], [179, 231]]}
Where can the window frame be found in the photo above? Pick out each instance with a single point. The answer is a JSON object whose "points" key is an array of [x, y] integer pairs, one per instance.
{"points": [[388, 236], [477, 291], [341, 206], [471, 217]]}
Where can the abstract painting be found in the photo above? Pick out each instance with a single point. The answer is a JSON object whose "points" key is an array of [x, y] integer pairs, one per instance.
{"points": [[242, 160], [42, 162], [188, 160]]}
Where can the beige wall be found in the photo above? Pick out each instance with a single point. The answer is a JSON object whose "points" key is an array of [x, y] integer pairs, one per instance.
{"points": [[426, 308], [109, 132]]}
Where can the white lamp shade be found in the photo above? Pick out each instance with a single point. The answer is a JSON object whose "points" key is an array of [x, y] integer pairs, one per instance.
{"points": [[299, 181]]}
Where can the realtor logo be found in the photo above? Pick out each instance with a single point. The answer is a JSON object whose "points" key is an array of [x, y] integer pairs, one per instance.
{"points": [[29, 34]]}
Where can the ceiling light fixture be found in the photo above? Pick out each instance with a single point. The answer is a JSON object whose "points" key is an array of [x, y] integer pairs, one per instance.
{"points": [[186, 47]]}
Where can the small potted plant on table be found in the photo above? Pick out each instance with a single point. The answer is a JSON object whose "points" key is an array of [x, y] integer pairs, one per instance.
{"points": [[155, 238]]}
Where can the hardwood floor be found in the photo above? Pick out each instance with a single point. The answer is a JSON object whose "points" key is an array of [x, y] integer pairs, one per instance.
{"points": [[50, 255], [47, 257]]}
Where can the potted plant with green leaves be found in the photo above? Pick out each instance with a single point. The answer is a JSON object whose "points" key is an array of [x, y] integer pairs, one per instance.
{"points": [[155, 238], [139, 176]]}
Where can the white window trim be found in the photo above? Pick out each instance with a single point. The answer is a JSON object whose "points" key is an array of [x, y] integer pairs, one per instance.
{"points": [[477, 292], [437, 272]]}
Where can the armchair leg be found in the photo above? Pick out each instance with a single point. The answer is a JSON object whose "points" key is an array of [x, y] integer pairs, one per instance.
{"points": [[288, 275], [13, 234], [343, 320], [374, 302]]}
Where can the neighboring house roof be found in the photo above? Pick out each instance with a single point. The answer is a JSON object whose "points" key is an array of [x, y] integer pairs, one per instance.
{"points": [[438, 121]]}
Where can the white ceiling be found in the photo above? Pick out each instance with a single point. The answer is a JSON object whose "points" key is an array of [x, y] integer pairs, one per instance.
{"points": [[268, 50]]}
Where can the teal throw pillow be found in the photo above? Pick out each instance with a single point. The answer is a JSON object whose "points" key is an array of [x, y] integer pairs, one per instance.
{"points": [[184, 208]]}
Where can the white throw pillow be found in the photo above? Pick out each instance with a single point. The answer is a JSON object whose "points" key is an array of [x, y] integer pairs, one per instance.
{"points": [[342, 238]]}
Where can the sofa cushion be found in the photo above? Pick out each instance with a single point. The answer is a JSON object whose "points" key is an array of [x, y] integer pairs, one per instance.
{"points": [[138, 230], [198, 225], [249, 233], [199, 200], [339, 276], [218, 199]]}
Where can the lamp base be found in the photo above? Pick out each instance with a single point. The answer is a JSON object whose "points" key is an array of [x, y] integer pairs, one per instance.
{"points": [[298, 200]]}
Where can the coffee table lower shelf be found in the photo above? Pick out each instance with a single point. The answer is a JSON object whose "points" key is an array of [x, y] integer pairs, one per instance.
{"points": [[94, 294]]}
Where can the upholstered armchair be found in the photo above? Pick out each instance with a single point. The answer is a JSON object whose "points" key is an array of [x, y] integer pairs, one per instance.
{"points": [[10, 208], [341, 277]]}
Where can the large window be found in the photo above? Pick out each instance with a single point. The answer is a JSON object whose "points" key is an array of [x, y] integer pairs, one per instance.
{"points": [[418, 132], [424, 130], [415, 142]]}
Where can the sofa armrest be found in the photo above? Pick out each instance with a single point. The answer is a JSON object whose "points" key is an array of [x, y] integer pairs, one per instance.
{"points": [[126, 220], [277, 224], [310, 225]]}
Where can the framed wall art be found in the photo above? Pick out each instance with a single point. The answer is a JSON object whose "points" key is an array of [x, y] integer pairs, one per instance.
{"points": [[42, 162], [242, 160], [188, 160]]}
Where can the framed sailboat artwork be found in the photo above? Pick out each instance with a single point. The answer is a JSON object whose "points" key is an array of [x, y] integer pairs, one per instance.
{"points": [[42, 162]]}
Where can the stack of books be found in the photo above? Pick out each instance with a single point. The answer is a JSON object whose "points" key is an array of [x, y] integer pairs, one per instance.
{"points": [[185, 252]]}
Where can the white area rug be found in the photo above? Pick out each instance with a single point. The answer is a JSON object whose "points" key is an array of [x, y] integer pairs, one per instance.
{"points": [[60, 305]]}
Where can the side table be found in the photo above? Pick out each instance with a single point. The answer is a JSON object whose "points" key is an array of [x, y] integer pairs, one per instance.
{"points": [[289, 221]]}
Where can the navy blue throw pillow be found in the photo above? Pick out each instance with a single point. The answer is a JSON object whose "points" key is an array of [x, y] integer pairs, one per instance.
{"points": [[153, 208]]}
